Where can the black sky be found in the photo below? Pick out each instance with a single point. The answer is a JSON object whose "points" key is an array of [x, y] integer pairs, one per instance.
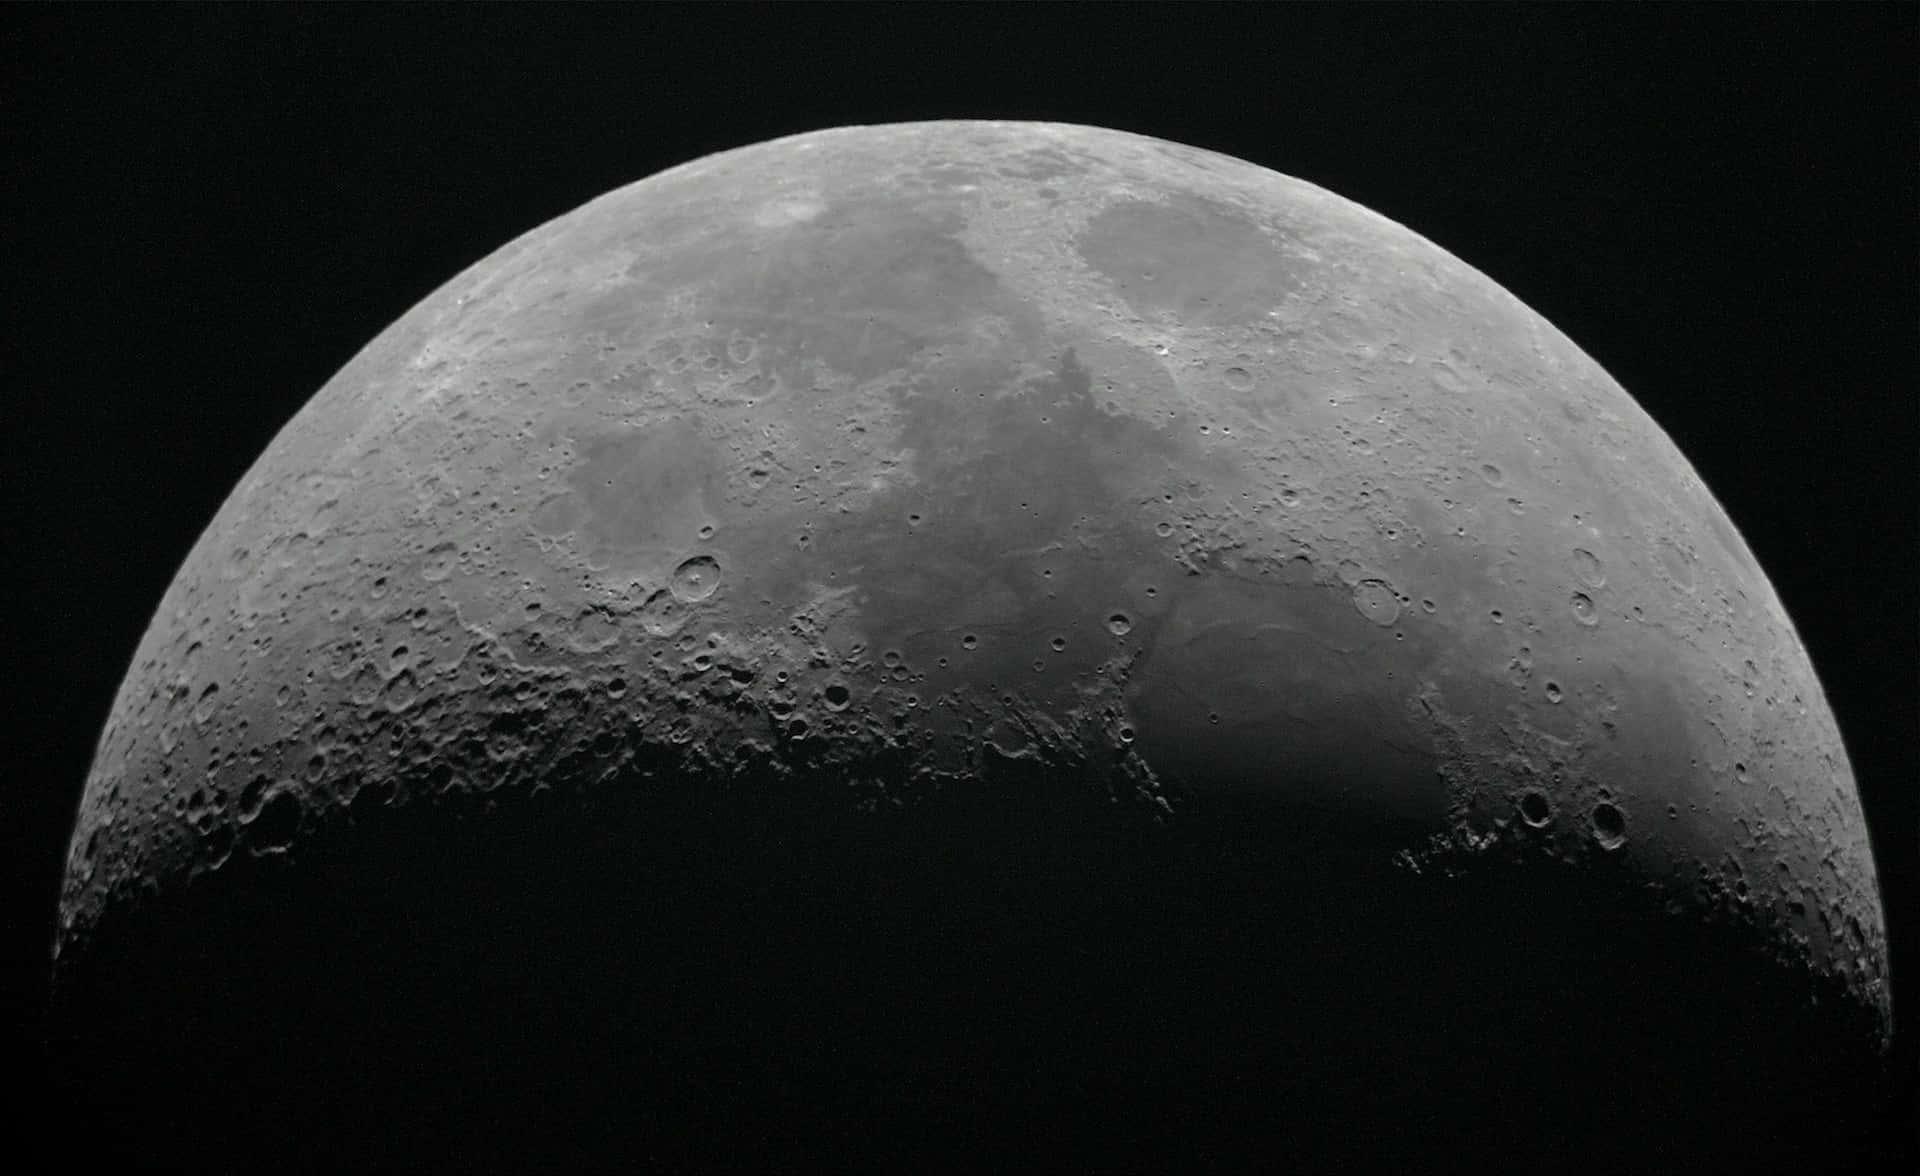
{"points": [[207, 210]]}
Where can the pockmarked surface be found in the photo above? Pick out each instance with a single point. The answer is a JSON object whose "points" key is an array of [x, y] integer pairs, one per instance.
{"points": [[887, 468]]}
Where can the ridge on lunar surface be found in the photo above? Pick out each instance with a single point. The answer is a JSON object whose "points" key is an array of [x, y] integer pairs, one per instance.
{"points": [[875, 473]]}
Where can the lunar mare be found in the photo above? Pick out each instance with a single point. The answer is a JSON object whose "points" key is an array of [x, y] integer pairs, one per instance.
{"points": [[889, 465]]}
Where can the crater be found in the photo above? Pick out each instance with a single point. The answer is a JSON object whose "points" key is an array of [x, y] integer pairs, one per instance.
{"points": [[1609, 826], [1195, 260]]}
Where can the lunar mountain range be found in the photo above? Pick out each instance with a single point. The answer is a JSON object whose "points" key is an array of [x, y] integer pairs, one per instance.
{"points": [[899, 638]]}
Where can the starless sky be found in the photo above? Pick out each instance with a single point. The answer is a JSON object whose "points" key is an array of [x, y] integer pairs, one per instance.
{"points": [[209, 210]]}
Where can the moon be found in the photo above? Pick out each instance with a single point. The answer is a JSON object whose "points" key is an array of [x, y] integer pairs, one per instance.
{"points": [[897, 639]]}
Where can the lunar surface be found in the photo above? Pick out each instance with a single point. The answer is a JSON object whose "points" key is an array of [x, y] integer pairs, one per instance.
{"points": [[893, 640]]}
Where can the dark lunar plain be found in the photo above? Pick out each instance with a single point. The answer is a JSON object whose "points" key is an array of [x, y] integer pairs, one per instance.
{"points": [[208, 212]]}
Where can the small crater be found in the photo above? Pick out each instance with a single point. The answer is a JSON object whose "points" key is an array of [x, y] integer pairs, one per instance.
{"points": [[1535, 810], [1678, 564], [696, 578], [440, 561], [400, 692], [837, 696], [1119, 624], [661, 614], [1377, 601], [1609, 826], [1586, 566], [1238, 378], [272, 829], [216, 845], [1520, 666], [969, 642], [593, 629], [1554, 693], [1446, 379], [557, 515], [251, 795], [1493, 475], [1059, 644], [1583, 609], [1008, 737], [209, 702]]}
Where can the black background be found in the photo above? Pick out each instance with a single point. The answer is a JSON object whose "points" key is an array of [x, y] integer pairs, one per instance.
{"points": [[209, 210]]}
